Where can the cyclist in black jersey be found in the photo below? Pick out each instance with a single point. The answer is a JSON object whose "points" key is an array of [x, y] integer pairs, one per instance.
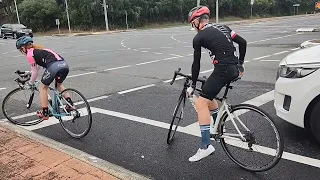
{"points": [[218, 41]]}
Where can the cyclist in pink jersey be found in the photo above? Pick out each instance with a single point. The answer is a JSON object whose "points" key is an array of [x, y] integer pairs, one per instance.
{"points": [[56, 68]]}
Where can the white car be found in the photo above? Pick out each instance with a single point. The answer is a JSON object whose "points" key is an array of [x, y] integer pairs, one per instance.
{"points": [[297, 89]]}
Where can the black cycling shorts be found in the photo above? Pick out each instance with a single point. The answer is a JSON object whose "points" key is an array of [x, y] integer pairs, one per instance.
{"points": [[221, 76], [57, 70]]}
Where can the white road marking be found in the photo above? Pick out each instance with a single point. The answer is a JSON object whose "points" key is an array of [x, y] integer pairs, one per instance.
{"points": [[136, 89], [81, 74], [295, 49], [176, 55], [97, 98], [261, 57], [157, 53], [63, 52], [280, 52], [144, 48], [82, 51], [270, 60], [144, 51], [103, 50], [286, 155], [2, 89], [121, 67], [135, 49], [275, 38], [5, 53], [147, 62], [166, 47]]}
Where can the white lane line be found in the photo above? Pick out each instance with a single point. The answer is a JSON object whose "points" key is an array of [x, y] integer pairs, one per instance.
{"points": [[144, 51], [275, 38], [135, 49], [131, 118], [63, 52], [286, 155], [147, 62], [176, 55], [97, 98], [280, 52], [295, 49], [136, 89], [157, 53], [121, 67], [102, 50], [5, 53], [83, 51], [270, 60], [166, 47], [2, 89], [145, 48], [172, 58], [77, 75], [261, 57], [14, 50]]}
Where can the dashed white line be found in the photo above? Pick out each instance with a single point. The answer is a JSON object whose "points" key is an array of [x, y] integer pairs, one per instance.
{"points": [[135, 49], [19, 55], [2, 89], [63, 52], [82, 51], [261, 57], [102, 50], [147, 62], [166, 47], [97, 98], [121, 67], [81, 74], [157, 53], [176, 55], [145, 48], [136, 89], [5, 53], [280, 52], [144, 51], [275, 38]]}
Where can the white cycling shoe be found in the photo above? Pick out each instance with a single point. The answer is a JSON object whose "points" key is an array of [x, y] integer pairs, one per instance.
{"points": [[202, 153]]}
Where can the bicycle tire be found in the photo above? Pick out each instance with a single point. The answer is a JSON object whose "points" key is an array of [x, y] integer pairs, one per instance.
{"points": [[84, 133], [4, 103], [171, 131], [280, 141]]}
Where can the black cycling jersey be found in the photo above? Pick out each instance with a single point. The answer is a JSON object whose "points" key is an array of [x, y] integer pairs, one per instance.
{"points": [[218, 40]]}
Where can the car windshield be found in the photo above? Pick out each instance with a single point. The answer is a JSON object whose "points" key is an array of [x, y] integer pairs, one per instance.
{"points": [[18, 26]]}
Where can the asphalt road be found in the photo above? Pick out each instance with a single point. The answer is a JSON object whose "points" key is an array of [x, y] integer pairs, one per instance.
{"points": [[129, 123]]}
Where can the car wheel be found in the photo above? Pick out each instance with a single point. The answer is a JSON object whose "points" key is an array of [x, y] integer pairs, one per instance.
{"points": [[315, 121], [14, 35]]}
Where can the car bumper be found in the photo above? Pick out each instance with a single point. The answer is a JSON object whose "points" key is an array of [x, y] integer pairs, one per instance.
{"points": [[291, 99], [24, 34]]}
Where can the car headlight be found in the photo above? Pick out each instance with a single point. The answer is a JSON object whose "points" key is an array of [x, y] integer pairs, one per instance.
{"points": [[294, 72]]}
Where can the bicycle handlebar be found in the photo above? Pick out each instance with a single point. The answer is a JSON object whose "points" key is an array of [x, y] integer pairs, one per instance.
{"points": [[202, 80], [22, 74]]}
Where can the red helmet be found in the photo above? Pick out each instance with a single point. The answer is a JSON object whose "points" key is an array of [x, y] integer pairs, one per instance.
{"points": [[198, 12]]}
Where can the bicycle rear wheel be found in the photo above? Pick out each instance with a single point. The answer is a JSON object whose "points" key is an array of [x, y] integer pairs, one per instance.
{"points": [[177, 117], [263, 145], [14, 107], [76, 119]]}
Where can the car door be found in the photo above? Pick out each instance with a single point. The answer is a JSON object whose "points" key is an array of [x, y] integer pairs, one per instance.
{"points": [[6, 29]]}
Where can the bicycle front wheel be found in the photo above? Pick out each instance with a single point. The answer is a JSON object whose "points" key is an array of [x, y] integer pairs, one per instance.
{"points": [[262, 146], [76, 118], [20, 107], [177, 117]]}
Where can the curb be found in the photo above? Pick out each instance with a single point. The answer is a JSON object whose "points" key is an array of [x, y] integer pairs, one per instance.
{"points": [[105, 166]]}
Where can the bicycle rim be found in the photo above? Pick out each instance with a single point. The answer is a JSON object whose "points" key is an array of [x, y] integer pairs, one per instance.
{"points": [[76, 122], [267, 146], [14, 107], [177, 117]]}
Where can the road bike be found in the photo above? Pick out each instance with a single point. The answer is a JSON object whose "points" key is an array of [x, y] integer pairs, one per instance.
{"points": [[20, 106], [234, 128]]}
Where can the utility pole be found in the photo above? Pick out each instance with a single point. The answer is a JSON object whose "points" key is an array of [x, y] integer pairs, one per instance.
{"points": [[198, 3], [127, 19], [67, 9], [15, 3], [106, 14], [217, 11]]}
